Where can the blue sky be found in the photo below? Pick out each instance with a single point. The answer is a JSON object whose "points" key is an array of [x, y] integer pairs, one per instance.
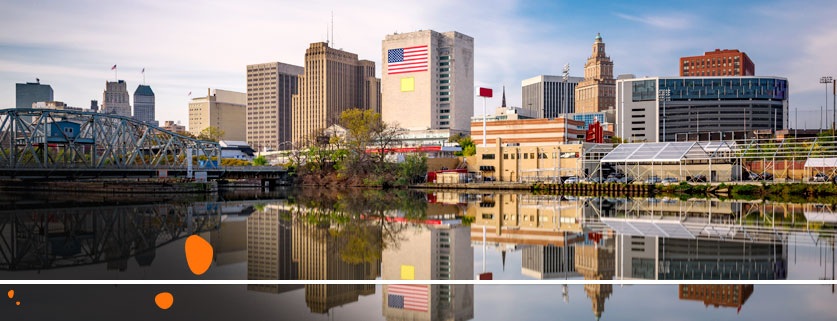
{"points": [[191, 45]]}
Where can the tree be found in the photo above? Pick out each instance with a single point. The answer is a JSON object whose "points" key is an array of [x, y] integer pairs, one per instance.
{"points": [[465, 142], [366, 130], [211, 133], [413, 168], [260, 161]]}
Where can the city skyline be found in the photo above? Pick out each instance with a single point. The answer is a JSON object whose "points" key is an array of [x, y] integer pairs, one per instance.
{"points": [[644, 39]]}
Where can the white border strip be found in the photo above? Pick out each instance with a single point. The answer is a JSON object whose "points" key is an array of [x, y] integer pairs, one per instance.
{"points": [[421, 282]]}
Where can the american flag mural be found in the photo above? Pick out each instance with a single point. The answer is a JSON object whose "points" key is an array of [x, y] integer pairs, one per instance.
{"points": [[407, 297], [409, 59]]}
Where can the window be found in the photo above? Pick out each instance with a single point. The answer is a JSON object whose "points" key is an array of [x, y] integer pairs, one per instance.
{"points": [[532, 155], [444, 87], [525, 156], [446, 63], [444, 111], [444, 81], [444, 117], [444, 69], [444, 75], [444, 93], [505, 156], [488, 216], [444, 99], [444, 57]]}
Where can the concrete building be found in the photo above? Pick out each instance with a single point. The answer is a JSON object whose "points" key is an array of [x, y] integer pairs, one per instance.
{"points": [[537, 163], [549, 96], [144, 104], [596, 92], [533, 221], [174, 127], [716, 295], [115, 99], [506, 113], [270, 87], [223, 109], [528, 132], [699, 105], [57, 105], [31, 92], [94, 105], [428, 80], [549, 262], [334, 81], [718, 63]]}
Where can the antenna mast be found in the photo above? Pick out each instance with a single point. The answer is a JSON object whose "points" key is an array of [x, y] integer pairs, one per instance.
{"points": [[332, 29]]}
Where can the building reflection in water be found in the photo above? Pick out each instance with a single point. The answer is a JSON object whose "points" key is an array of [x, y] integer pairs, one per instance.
{"points": [[439, 248], [284, 244], [717, 295]]}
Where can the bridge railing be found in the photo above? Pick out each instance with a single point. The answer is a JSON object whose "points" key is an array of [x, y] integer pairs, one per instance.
{"points": [[59, 139]]}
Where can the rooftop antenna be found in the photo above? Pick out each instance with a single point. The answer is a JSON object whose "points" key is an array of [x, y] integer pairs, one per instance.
{"points": [[332, 28]]}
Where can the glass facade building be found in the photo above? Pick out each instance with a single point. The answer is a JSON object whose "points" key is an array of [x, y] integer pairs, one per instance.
{"points": [[663, 109]]}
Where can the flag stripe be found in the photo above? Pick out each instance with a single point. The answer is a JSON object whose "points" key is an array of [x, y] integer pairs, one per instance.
{"points": [[410, 297], [408, 59]]}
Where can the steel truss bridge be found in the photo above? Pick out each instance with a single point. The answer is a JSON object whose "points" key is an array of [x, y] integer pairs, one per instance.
{"points": [[39, 143]]}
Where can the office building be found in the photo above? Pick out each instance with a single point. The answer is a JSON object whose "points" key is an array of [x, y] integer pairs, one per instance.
{"points": [[115, 99], [607, 118], [94, 105], [222, 109], [31, 92], [549, 262], [508, 163], [528, 132], [428, 80], [144, 104], [57, 105], [334, 81], [270, 87], [174, 127], [549, 96], [699, 105], [596, 92], [718, 63]]}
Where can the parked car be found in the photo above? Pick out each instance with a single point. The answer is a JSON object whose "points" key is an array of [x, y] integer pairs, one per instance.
{"points": [[765, 177], [596, 180], [625, 180], [819, 177], [696, 179], [670, 180], [753, 176], [611, 180], [653, 180], [572, 180]]}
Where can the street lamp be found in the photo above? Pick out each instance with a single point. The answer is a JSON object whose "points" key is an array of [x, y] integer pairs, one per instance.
{"points": [[825, 81], [664, 95]]}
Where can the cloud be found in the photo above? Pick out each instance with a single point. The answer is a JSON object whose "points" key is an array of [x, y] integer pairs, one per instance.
{"points": [[664, 21]]}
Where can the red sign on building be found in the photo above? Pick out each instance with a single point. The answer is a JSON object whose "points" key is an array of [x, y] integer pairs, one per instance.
{"points": [[485, 92]]}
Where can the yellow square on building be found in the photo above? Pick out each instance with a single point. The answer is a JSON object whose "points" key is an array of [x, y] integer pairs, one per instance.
{"points": [[408, 272], [408, 84]]}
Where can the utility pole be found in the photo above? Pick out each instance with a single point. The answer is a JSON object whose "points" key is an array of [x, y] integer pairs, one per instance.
{"points": [[825, 80]]}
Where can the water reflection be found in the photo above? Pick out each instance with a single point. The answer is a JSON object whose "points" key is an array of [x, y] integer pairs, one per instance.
{"points": [[405, 235]]}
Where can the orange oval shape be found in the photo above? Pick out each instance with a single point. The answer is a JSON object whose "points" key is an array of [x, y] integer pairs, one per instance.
{"points": [[17, 303], [164, 300], [198, 254], [11, 294]]}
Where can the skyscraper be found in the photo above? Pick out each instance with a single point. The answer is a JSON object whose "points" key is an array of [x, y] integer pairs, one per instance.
{"points": [[598, 90], [115, 99], [144, 104], [32, 92], [270, 87], [428, 80], [549, 96], [334, 81]]}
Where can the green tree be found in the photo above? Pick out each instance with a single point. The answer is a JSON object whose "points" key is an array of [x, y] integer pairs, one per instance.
{"points": [[211, 133], [260, 161], [465, 142], [412, 169]]}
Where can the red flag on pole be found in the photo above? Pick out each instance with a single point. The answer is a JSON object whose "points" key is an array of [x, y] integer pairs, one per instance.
{"points": [[113, 68]]}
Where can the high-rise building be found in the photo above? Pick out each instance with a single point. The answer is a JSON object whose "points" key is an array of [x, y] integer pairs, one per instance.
{"points": [[717, 295], [115, 99], [144, 104], [222, 109], [94, 105], [428, 80], [270, 87], [699, 106], [334, 81], [718, 63], [597, 92], [549, 96], [31, 92], [269, 250]]}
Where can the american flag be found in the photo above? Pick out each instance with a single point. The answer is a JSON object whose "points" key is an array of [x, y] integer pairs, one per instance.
{"points": [[408, 297], [409, 59]]}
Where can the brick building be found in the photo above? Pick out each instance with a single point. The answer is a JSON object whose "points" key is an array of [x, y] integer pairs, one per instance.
{"points": [[727, 62]]}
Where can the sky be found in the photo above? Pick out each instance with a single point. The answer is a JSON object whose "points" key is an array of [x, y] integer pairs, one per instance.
{"points": [[189, 46]]}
